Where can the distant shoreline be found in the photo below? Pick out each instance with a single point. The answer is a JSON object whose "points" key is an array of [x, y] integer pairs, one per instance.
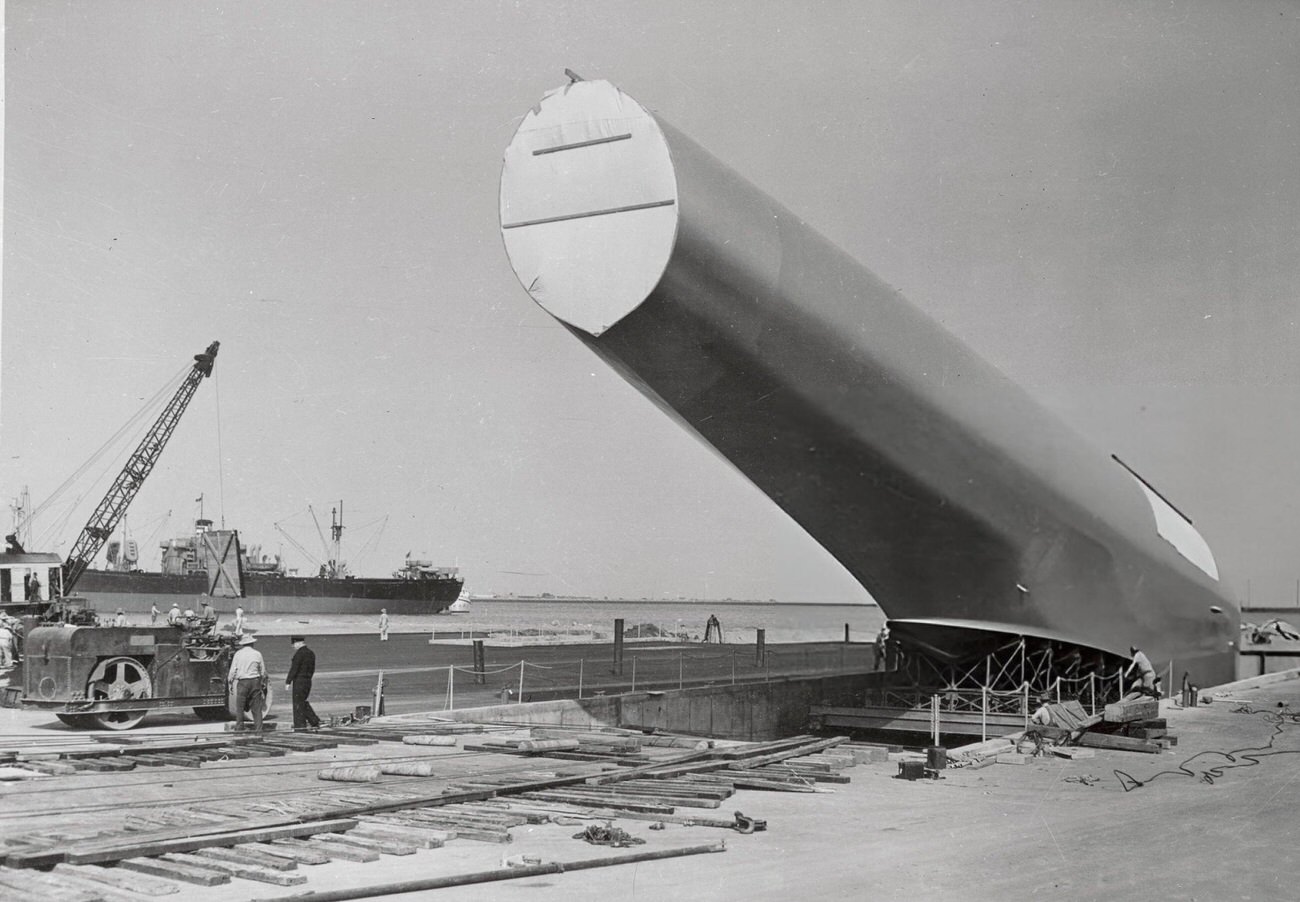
{"points": [[475, 599]]}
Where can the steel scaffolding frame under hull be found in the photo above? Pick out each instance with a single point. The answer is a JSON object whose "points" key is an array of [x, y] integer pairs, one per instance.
{"points": [[990, 692]]}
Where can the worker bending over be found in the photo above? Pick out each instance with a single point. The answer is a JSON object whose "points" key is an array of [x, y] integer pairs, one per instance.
{"points": [[1145, 684]]}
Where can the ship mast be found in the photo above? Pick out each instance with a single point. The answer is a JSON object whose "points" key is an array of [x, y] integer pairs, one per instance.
{"points": [[336, 537]]}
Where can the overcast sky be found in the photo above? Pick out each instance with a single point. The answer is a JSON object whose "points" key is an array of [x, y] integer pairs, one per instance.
{"points": [[1100, 198]]}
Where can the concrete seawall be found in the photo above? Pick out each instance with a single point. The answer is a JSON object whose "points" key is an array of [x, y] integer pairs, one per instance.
{"points": [[752, 711]]}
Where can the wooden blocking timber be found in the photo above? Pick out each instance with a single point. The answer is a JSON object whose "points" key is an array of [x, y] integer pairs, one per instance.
{"points": [[135, 882], [362, 773], [37, 887], [53, 768], [1012, 758], [382, 846], [248, 855], [97, 890], [322, 843], [299, 854], [1074, 754], [397, 822], [393, 834], [116, 849], [1147, 732], [1123, 743], [244, 871], [1131, 709], [258, 751], [173, 871], [416, 768], [446, 741], [175, 759]]}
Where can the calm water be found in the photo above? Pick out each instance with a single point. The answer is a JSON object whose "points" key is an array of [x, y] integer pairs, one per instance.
{"points": [[783, 622]]}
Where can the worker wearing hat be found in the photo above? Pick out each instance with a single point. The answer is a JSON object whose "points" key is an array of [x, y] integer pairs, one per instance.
{"points": [[301, 670], [246, 683]]}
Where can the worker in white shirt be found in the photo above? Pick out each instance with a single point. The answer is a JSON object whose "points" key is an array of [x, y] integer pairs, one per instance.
{"points": [[246, 682]]}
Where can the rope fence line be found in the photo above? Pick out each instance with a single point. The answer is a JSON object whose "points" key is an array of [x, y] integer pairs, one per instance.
{"points": [[646, 669]]}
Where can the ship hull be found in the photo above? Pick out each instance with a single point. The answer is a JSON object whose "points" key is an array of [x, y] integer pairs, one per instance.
{"points": [[957, 501], [138, 592]]}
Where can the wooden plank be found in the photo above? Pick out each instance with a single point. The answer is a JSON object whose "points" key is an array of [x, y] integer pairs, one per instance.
{"points": [[98, 890], [246, 854], [298, 854], [37, 887], [393, 833], [365, 773], [115, 850], [173, 871], [1074, 754], [666, 767], [798, 751], [604, 801], [1147, 732], [1123, 743], [243, 871], [1131, 709], [136, 883], [339, 850]]}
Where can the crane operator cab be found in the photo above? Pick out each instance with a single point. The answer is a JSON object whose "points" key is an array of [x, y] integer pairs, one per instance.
{"points": [[28, 579]]}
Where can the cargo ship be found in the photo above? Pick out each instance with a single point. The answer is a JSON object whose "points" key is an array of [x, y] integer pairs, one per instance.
{"points": [[268, 585]]}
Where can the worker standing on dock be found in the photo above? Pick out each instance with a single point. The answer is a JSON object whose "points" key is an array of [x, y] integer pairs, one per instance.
{"points": [[119, 619], [239, 622], [174, 615], [881, 644], [8, 653], [208, 617], [301, 670], [1146, 682], [153, 614], [383, 625], [246, 682]]}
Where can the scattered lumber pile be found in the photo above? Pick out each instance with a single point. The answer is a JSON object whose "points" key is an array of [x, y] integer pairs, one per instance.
{"points": [[371, 803], [1132, 725]]}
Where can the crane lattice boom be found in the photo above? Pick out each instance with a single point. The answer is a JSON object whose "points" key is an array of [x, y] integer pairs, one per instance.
{"points": [[141, 463]]}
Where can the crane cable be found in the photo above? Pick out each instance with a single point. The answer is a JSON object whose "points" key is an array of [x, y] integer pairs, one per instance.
{"points": [[131, 424], [221, 470]]}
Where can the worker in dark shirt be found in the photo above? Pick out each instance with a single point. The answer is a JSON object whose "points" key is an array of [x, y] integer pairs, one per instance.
{"points": [[301, 669]]}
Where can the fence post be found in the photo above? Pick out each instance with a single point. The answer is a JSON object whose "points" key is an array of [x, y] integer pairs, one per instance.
{"points": [[1024, 704], [984, 713], [761, 646], [733, 667], [680, 670], [521, 681], [634, 673], [479, 666], [580, 678], [1092, 690], [1058, 690], [618, 647], [934, 717], [451, 687]]}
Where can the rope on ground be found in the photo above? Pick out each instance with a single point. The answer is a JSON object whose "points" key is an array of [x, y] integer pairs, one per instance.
{"points": [[1241, 757]]}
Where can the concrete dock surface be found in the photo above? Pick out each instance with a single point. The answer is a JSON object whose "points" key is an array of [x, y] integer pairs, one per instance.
{"points": [[1212, 818]]}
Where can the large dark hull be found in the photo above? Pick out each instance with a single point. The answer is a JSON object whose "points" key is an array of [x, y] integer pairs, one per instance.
{"points": [[137, 592]]}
